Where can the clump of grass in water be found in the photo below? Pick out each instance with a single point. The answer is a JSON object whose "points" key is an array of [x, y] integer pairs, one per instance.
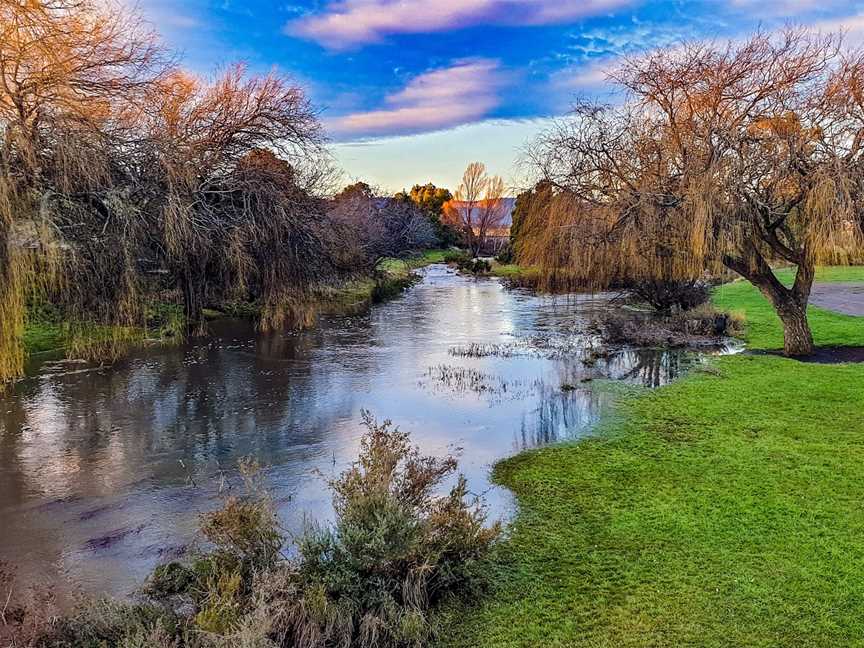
{"points": [[544, 346], [479, 350], [466, 380], [396, 551]]}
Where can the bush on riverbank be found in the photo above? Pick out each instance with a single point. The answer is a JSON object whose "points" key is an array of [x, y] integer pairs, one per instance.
{"points": [[670, 296], [396, 551], [695, 327]]}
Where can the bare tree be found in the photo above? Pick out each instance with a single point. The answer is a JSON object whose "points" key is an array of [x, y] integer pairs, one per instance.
{"points": [[740, 156], [199, 132], [376, 227], [477, 206]]}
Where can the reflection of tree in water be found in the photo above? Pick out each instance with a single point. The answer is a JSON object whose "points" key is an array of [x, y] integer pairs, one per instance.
{"points": [[648, 367], [164, 414], [563, 413], [559, 415], [13, 418]]}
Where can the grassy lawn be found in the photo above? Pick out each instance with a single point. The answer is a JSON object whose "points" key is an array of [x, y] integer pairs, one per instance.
{"points": [[723, 510]]}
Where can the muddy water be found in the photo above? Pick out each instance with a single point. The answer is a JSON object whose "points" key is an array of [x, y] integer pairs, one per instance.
{"points": [[104, 471]]}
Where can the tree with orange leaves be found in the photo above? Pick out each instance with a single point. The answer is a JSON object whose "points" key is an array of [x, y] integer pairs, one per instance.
{"points": [[477, 206]]}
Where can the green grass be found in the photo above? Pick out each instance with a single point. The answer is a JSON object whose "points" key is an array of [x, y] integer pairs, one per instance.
{"points": [[764, 330], [45, 332], [43, 337], [517, 275], [506, 269], [723, 510], [428, 257], [827, 274], [392, 276]]}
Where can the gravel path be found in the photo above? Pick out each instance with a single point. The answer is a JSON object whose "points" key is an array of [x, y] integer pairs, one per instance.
{"points": [[841, 297]]}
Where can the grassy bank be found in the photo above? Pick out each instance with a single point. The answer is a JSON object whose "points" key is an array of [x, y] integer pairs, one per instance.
{"points": [[46, 333], [391, 276], [722, 510]]}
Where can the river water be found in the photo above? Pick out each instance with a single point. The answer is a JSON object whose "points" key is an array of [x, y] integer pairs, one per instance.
{"points": [[105, 471]]}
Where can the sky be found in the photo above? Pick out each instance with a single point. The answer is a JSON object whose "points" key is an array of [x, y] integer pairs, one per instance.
{"points": [[411, 91]]}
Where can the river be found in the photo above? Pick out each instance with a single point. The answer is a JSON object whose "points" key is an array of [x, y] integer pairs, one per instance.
{"points": [[105, 470]]}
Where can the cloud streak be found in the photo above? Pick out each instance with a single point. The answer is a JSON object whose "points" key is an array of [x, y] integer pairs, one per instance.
{"points": [[464, 92], [348, 23]]}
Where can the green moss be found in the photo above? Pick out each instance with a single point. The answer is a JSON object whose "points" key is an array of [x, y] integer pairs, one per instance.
{"points": [[722, 510]]}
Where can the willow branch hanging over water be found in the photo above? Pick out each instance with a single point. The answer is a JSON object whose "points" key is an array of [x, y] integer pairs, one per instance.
{"points": [[71, 75], [738, 157], [121, 177]]}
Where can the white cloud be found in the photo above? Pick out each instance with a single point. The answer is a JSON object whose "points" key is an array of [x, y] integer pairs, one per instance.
{"points": [[348, 23], [587, 76], [167, 16], [851, 26], [442, 98]]}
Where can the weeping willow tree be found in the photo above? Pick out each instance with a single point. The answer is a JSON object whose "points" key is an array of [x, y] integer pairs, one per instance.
{"points": [[740, 157], [71, 75]]}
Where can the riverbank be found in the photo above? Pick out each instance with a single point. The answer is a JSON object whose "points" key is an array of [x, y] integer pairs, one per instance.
{"points": [[721, 510], [46, 334]]}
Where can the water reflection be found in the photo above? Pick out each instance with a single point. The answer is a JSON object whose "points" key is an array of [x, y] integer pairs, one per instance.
{"points": [[104, 471]]}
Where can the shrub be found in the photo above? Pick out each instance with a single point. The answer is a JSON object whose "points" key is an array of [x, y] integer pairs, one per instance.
{"points": [[475, 266], [669, 296], [697, 326], [506, 256], [456, 256], [396, 550]]}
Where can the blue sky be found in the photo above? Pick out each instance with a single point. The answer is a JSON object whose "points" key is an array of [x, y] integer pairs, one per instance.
{"points": [[413, 90]]}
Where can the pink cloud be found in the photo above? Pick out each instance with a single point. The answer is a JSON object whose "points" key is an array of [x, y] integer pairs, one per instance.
{"points": [[348, 23], [785, 8], [461, 93]]}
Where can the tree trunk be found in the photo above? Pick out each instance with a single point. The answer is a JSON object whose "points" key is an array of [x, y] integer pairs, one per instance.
{"points": [[797, 337], [193, 303], [790, 304]]}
